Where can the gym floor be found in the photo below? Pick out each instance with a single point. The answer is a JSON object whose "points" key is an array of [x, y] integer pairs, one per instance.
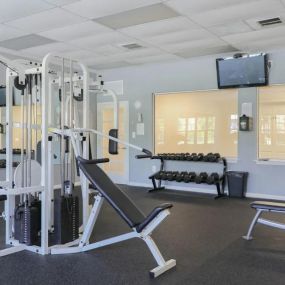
{"points": [[202, 234]]}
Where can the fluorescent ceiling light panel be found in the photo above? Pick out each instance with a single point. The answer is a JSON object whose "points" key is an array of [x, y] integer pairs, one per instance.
{"points": [[40, 51], [96, 8], [9, 33], [13, 9], [160, 27], [50, 19], [25, 42], [76, 31], [138, 16]]}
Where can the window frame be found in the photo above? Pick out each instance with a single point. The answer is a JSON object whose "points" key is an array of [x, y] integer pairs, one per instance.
{"points": [[259, 160], [166, 93]]}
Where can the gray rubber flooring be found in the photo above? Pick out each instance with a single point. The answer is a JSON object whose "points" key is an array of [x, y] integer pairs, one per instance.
{"points": [[202, 234]]}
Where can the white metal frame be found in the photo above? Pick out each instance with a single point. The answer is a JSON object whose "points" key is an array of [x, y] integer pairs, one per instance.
{"points": [[266, 222]]}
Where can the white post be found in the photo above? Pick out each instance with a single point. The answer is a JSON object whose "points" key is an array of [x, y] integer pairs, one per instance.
{"points": [[44, 176], [10, 202]]}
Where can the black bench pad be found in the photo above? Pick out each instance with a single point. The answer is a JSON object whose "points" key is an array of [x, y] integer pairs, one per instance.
{"points": [[273, 206], [153, 215], [123, 205]]}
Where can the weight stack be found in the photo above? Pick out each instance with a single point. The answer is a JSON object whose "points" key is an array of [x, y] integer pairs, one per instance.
{"points": [[66, 219], [28, 223]]}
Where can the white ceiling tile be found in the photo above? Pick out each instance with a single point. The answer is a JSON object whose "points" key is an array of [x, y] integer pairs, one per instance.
{"points": [[159, 27], [80, 54], [191, 7], [238, 12], [99, 40], [180, 37], [109, 50], [176, 47], [261, 45], [265, 34], [230, 28], [61, 2], [14, 9], [110, 65], [193, 52], [98, 8], [7, 33], [155, 58], [80, 30], [41, 51], [46, 20]]}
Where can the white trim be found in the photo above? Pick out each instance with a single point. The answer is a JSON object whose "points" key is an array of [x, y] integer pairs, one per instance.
{"points": [[264, 196], [270, 162], [208, 190]]}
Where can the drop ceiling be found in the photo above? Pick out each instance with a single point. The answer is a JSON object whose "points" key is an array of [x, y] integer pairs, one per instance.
{"points": [[98, 32]]}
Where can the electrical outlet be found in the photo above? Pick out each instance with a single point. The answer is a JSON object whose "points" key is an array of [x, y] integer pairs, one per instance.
{"points": [[153, 168], [133, 135]]}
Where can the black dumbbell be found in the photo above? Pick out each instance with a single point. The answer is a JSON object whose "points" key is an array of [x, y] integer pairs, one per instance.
{"points": [[190, 177], [214, 178], [171, 175], [207, 157], [158, 175], [201, 178], [198, 157], [164, 175], [180, 176], [215, 157]]}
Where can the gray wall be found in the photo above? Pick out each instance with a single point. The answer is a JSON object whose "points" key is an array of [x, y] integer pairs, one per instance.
{"points": [[187, 75]]}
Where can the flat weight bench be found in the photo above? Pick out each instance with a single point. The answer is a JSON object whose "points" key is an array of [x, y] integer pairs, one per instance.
{"points": [[264, 206], [142, 225]]}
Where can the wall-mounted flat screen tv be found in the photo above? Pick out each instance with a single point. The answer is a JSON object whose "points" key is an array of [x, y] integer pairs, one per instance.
{"points": [[242, 71]]}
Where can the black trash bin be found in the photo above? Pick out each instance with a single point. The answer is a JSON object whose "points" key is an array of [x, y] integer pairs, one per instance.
{"points": [[237, 181]]}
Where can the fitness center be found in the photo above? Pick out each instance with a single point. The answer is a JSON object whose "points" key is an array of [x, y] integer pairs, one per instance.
{"points": [[142, 142]]}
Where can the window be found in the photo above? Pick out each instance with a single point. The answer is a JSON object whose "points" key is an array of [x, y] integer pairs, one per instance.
{"points": [[200, 121], [272, 122]]}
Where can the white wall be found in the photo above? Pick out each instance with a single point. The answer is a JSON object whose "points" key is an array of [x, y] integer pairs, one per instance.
{"points": [[187, 75]]}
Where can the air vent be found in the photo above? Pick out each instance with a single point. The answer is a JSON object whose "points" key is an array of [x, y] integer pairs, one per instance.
{"points": [[132, 46], [268, 22]]}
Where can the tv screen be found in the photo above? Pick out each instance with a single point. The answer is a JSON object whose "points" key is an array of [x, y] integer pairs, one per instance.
{"points": [[242, 71]]}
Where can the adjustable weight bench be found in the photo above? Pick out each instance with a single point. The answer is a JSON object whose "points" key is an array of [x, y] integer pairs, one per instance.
{"points": [[142, 226], [263, 206]]}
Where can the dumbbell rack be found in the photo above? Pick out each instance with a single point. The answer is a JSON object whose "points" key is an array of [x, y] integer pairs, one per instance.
{"points": [[220, 185]]}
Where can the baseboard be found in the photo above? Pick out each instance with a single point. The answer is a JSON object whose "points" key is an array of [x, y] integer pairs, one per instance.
{"points": [[178, 188], [265, 196], [210, 191]]}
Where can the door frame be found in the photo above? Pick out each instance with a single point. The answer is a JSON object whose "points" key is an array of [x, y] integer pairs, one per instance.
{"points": [[100, 106]]}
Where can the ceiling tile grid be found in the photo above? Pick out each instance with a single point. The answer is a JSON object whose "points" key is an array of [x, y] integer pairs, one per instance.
{"points": [[96, 30]]}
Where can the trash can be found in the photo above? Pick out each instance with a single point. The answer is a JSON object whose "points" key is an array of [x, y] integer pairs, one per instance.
{"points": [[237, 181]]}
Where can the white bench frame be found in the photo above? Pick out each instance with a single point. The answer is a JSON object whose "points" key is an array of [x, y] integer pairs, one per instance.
{"points": [[145, 235], [258, 220]]}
